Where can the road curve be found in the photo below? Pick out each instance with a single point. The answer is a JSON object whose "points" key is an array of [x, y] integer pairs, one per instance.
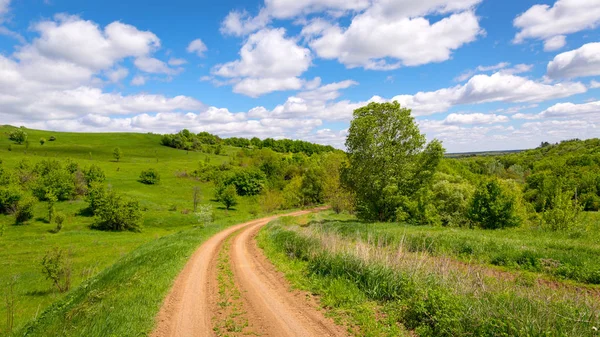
{"points": [[189, 308]]}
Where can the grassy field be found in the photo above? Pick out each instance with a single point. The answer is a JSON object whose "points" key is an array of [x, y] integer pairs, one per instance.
{"points": [[369, 277], [166, 212]]}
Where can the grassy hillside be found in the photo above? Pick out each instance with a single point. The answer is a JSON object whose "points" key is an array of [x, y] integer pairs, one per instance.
{"points": [[166, 210]]}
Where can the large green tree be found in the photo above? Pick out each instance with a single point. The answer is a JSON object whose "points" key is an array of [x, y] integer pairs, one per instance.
{"points": [[389, 159]]}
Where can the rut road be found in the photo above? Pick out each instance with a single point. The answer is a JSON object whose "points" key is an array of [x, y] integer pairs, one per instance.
{"points": [[264, 300]]}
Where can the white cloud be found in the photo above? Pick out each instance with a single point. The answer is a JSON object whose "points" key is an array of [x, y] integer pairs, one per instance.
{"points": [[198, 47], [552, 23], [474, 119], [594, 84], [240, 23], [572, 110], [286, 9], [82, 42], [502, 67], [176, 62], [581, 62], [138, 80], [4, 8], [377, 40], [555, 43], [116, 75], [498, 87], [155, 66], [268, 62]]}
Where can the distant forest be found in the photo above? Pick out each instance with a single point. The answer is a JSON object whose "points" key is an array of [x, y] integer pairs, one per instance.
{"points": [[186, 140]]}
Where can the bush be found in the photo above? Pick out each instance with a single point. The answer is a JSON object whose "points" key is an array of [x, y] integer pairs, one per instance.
{"points": [[150, 177], [56, 266], [52, 138], [58, 181], [117, 213], [9, 197], [493, 208], [24, 209], [227, 196], [94, 174], [42, 141], [563, 215], [247, 182], [59, 219], [96, 195], [18, 136]]}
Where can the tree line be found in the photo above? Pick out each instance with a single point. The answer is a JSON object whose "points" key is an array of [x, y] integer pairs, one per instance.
{"points": [[206, 142]]}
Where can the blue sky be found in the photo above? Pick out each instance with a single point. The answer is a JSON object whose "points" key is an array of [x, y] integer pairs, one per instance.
{"points": [[478, 74]]}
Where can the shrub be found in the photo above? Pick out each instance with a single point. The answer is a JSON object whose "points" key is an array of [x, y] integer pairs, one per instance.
{"points": [[247, 182], [493, 208], [117, 154], [96, 195], [117, 213], [51, 201], [58, 181], [52, 138], [42, 141], [59, 219], [228, 196], [56, 266], [9, 197], [563, 215], [270, 200], [18, 136], [24, 209], [150, 177]]}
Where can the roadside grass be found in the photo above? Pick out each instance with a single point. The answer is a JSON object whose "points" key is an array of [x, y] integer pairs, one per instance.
{"points": [[167, 209], [567, 256], [123, 299], [429, 296]]}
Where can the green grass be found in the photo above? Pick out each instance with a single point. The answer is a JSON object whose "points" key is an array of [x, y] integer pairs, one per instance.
{"points": [[166, 212], [562, 255], [429, 296]]}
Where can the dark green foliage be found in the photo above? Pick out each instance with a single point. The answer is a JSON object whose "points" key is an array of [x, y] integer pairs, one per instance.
{"points": [[115, 212], [150, 177], [117, 154], [492, 208], [95, 196], [9, 199], [24, 209], [59, 219], [18, 136], [389, 159], [185, 140], [227, 195], [58, 181], [94, 174], [42, 141], [249, 181], [52, 138], [312, 186]]}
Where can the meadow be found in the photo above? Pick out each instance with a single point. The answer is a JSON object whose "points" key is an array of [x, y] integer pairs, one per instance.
{"points": [[374, 280], [166, 211]]}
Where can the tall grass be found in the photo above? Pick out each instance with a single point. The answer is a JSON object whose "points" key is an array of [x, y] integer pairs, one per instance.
{"points": [[435, 296]]}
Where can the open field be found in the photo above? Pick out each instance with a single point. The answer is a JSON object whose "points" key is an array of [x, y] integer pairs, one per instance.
{"points": [[381, 289], [166, 211]]}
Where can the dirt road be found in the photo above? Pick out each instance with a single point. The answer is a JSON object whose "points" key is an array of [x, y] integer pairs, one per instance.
{"points": [[229, 288]]}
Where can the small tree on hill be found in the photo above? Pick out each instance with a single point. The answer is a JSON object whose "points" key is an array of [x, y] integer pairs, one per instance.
{"points": [[42, 141], [493, 208], [18, 136], [150, 177], [117, 154], [229, 197]]}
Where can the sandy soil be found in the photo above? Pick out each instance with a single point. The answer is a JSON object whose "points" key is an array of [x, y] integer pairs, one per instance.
{"points": [[264, 302]]}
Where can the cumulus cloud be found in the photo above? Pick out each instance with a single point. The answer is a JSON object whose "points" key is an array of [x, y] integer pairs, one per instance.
{"points": [[378, 40], [552, 23], [155, 66], [116, 75], [138, 80], [498, 87], [197, 47], [474, 119], [268, 62], [4, 8], [594, 84], [176, 62], [241, 23], [581, 62], [502, 67]]}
